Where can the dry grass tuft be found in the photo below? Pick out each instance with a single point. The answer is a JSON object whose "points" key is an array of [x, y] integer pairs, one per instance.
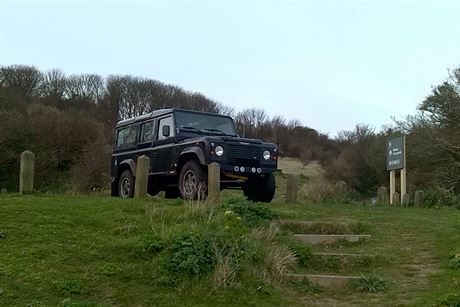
{"points": [[278, 262]]}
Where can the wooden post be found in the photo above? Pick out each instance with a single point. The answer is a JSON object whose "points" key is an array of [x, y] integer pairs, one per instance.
{"points": [[382, 196], [214, 183], [26, 172], [405, 200], [341, 189], [419, 198], [403, 174], [396, 199], [291, 188], [392, 185], [142, 176]]}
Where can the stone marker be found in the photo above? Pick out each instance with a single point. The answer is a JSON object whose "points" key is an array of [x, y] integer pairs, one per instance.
{"points": [[341, 189], [396, 199], [142, 176], [382, 196], [214, 183], [419, 198], [291, 188], [4, 191], [26, 172], [405, 200]]}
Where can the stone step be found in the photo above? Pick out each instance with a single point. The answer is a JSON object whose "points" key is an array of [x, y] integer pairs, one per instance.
{"points": [[327, 281], [318, 227], [342, 255], [329, 239]]}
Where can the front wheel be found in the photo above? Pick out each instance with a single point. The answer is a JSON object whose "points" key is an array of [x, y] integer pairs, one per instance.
{"points": [[126, 184], [193, 181], [260, 189]]}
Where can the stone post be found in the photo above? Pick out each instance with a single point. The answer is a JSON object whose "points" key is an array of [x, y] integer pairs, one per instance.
{"points": [[405, 200], [396, 199], [341, 189], [291, 188], [382, 196], [419, 198], [142, 176], [26, 172], [214, 183]]}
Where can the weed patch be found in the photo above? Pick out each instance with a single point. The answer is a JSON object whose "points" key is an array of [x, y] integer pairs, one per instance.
{"points": [[370, 284], [68, 287]]}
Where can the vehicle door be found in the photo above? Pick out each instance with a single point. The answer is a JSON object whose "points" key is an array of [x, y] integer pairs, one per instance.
{"points": [[146, 139], [164, 145]]}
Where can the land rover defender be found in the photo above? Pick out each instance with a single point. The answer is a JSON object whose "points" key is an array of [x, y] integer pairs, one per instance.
{"points": [[180, 145]]}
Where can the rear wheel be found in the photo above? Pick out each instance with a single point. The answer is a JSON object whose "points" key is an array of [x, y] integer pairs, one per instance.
{"points": [[260, 189], [126, 184], [193, 181]]}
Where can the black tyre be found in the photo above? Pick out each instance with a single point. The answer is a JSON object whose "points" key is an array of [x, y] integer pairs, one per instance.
{"points": [[260, 189], [126, 184], [193, 181]]}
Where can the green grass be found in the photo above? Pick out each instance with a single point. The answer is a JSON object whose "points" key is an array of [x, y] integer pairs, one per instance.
{"points": [[86, 250]]}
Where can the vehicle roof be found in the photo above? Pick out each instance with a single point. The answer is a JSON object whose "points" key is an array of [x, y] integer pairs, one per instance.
{"points": [[158, 113]]}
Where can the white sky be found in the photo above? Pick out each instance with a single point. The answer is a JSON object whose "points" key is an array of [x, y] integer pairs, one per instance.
{"points": [[330, 64]]}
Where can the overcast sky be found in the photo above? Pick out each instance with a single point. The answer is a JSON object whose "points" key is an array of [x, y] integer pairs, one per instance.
{"points": [[330, 64]]}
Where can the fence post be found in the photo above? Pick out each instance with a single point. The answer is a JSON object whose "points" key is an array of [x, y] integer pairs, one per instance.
{"points": [[341, 189], [214, 182], [419, 198], [26, 172], [382, 196], [291, 188], [142, 176], [396, 199], [405, 200]]}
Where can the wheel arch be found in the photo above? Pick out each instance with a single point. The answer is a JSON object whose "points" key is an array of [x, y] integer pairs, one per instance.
{"points": [[127, 164], [190, 153]]}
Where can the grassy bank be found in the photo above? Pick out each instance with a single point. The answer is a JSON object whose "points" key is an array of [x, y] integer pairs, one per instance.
{"points": [[99, 251]]}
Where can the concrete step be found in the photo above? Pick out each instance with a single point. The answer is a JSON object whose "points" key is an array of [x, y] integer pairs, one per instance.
{"points": [[327, 281], [329, 239], [319, 227]]}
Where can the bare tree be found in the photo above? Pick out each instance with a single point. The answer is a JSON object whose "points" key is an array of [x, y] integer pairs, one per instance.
{"points": [[25, 79]]}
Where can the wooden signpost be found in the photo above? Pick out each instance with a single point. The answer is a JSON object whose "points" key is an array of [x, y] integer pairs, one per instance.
{"points": [[396, 159]]}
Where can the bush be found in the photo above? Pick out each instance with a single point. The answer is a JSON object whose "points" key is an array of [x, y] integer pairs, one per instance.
{"points": [[301, 251], [452, 300], [186, 257], [370, 284], [440, 198], [252, 214]]}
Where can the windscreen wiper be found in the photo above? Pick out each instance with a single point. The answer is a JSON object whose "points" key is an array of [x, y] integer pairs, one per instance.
{"points": [[191, 129], [215, 130]]}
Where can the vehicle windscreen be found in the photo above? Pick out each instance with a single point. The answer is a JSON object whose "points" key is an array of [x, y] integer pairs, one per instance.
{"points": [[204, 123]]}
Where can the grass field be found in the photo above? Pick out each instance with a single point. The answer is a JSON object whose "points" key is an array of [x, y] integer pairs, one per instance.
{"points": [[88, 250]]}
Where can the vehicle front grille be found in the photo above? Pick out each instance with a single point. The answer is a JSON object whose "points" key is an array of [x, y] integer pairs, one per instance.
{"points": [[243, 155]]}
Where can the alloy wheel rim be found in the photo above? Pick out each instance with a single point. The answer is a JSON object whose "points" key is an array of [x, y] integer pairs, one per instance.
{"points": [[125, 187]]}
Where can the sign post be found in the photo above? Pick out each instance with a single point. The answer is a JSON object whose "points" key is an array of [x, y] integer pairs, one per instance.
{"points": [[396, 159]]}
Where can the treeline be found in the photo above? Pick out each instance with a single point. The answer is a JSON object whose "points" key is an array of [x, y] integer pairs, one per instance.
{"points": [[67, 120]]}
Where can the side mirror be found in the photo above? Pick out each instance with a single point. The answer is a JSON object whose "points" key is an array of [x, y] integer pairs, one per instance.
{"points": [[166, 130]]}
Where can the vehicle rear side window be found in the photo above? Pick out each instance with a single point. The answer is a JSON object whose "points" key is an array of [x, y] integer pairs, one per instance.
{"points": [[167, 121], [147, 132], [126, 136]]}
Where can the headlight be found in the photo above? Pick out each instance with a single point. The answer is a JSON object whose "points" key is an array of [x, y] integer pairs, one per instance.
{"points": [[266, 154], [219, 150]]}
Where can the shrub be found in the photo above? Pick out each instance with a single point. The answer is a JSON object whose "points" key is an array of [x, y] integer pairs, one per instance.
{"points": [[452, 300], [252, 214], [454, 262], [440, 198], [68, 287], [150, 244], [301, 251], [187, 256], [370, 284]]}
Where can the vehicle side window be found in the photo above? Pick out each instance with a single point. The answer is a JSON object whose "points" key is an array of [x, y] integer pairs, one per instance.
{"points": [[147, 132], [126, 136], [167, 121]]}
